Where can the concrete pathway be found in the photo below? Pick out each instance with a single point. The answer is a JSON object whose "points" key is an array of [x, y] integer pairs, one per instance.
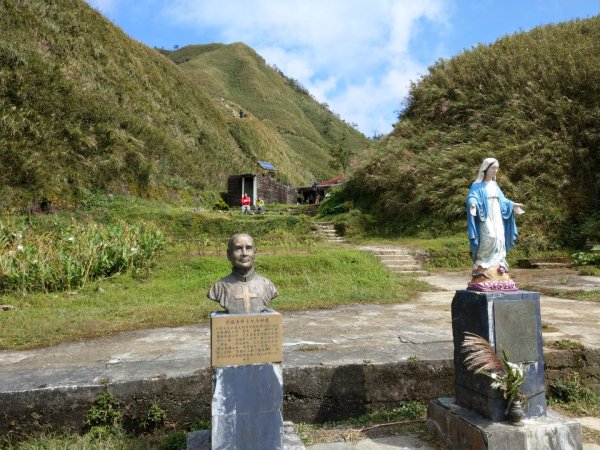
{"points": [[344, 335], [406, 442]]}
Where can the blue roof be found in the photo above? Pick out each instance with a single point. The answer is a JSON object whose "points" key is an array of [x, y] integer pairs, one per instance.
{"points": [[266, 165]]}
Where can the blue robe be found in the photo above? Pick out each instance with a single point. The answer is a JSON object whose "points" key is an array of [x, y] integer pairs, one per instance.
{"points": [[478, 197]]}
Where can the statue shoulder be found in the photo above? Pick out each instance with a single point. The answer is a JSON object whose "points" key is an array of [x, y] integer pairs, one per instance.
{"points": [[219, 288]]}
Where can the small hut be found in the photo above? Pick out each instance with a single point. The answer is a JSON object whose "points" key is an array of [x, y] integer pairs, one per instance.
{"points": [[318, 191], [259, 184]]}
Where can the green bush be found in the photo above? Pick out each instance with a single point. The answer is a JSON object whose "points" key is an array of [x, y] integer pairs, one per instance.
{"points": [[105, 412], [177, 440], [220, 205], [34, 259], [155, 418], [568, 389], [591, 258]]}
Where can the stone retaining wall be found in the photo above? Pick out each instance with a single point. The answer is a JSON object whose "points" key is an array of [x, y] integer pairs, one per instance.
{"points": [[311, 394]]}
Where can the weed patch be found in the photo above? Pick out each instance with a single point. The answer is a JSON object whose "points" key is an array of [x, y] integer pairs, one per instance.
{"points": [[572, 396], [34, 259]]}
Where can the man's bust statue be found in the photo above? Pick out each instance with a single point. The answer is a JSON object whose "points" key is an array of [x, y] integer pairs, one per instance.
{"points": [[242, 291]]}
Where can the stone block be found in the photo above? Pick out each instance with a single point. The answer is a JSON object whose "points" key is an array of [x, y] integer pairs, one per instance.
{"points": [[463, 429], [247, 407], [509, 321], [200, 440]]}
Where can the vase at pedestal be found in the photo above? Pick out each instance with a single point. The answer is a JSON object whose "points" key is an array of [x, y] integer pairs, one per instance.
{"points": [[515, 411]]}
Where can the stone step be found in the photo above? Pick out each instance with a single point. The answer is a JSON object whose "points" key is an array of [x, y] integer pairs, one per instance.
{"points": [[551, 265], [400, 263], [410, 272], [401, 257], [327, 231], [327, 234], [385, 251], [403, 267]]}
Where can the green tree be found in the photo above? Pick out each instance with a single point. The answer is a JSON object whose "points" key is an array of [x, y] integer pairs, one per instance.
{"points": [[341, 154]]}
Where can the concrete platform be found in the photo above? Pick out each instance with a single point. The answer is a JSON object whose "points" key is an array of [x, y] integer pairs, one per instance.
{"points": [[344, 361]]}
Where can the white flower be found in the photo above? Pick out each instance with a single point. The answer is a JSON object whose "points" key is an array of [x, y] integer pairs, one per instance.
{"points": [[20, 248], [70, 239], [514, 366], [133, 250]]}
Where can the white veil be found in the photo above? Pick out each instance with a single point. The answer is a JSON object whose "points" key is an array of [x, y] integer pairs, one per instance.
{"points": [[487, 162]]}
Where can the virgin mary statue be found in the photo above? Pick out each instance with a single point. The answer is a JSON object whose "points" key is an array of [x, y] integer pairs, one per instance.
{"points": [[492, 230]]}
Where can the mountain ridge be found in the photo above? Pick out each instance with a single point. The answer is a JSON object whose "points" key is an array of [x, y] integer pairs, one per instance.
{"points": [[86, 108]]}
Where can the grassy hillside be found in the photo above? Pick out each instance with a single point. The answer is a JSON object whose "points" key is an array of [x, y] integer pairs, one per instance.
{"points": [[531, 100], [238, 78], [84, 107]]}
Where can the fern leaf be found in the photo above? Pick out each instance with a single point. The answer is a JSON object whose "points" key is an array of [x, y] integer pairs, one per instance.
{"points": [[481, 357]]}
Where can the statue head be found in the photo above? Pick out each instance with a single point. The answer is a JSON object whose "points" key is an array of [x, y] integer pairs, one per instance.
{"points": [[485, 166], [241, 252]]}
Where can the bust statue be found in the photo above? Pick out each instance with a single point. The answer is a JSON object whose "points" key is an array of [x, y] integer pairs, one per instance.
{"points": [[243, 290]]}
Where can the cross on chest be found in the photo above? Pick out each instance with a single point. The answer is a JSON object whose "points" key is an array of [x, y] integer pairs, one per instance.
{"points": [[246, 295]]}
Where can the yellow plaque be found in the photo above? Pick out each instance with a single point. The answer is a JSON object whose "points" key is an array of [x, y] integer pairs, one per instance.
{"points": [[238, 339]]}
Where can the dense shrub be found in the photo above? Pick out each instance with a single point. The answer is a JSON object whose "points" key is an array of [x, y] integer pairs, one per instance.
{"points": [[67, 257]]}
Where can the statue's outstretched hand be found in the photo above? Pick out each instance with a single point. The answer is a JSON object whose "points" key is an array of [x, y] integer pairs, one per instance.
{"points": [[519, 208]]}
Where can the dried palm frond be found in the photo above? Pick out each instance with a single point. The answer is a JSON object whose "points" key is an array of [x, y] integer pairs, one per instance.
{"points": [[481, 357]]}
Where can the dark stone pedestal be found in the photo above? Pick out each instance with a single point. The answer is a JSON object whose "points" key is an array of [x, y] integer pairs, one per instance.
{"points": [[509, 321], [461, 429], [247, 407]]}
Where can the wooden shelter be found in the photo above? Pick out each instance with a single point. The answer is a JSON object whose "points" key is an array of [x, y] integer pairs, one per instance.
{"points": [[259, 185]]}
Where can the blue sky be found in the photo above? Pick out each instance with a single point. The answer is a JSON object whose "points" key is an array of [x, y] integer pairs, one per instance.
{"points": [[358, 56]]}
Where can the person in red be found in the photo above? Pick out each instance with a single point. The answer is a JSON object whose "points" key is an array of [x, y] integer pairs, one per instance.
{"points": [[246, 200]]}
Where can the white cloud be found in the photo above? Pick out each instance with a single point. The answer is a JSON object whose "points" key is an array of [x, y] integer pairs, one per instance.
{"points": [[106, 7], [352, 54]]}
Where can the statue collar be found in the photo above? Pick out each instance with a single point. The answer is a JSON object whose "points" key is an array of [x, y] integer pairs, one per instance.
{"points": [[246, 277]]}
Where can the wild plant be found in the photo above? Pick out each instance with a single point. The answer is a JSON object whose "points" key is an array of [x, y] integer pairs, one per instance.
{"points": [[34, 259]]}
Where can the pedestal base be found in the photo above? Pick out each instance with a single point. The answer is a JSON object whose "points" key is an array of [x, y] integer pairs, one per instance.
{"points": [[509, 321], [462, 429], [200, 440], [247, 407]]}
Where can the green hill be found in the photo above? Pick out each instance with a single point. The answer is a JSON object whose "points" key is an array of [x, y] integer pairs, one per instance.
{"points": [[531, 100], [84, 107], [239, 79]]}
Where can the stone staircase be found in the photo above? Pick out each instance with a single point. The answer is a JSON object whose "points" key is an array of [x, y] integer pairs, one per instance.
{"points": [[327, 230], [397, 259]]}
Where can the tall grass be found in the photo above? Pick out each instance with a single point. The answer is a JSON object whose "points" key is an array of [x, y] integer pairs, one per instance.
{"points": [[66, 258]]}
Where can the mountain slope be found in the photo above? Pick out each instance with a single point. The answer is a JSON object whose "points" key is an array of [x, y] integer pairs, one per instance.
{"points": [[85, 106], [531, 100], [239, 77], [82, 106]]}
